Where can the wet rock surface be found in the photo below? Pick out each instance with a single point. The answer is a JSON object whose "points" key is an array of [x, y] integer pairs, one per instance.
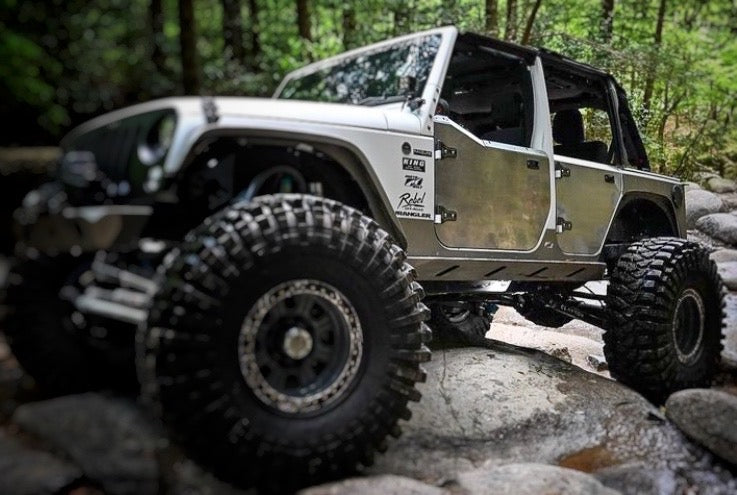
{"points": [[501, 405]]}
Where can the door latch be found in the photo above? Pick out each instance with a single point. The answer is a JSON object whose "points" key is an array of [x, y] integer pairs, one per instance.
{"points": [[561, 171], [561, 225], [442, 214], [442, 151]]}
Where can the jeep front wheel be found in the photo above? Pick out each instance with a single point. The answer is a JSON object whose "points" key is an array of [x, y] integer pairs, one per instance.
{"points": [[666, 304], [285, 342]]}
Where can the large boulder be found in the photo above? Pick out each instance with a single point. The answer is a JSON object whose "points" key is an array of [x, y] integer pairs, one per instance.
{"points": [[709, 417], [720, 185], [503, 404], [530, 479], [721, 226], [109, 439], [375, 485], [700, 203]]}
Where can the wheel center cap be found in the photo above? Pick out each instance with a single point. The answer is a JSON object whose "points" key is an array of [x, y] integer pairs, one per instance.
{"points": [[297, 343]]}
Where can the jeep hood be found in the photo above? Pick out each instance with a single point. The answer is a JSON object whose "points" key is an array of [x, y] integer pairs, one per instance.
{"points": [[304, 111], [240, 111]]}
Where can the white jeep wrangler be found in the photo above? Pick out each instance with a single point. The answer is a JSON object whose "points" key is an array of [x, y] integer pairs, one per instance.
{"points": [[282, 336]]}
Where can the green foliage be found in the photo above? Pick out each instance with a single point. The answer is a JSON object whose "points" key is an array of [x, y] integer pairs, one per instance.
{"points": [[64, 61]]}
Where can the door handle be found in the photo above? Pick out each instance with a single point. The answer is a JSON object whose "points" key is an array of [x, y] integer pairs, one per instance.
{"points": [[533, 164]]}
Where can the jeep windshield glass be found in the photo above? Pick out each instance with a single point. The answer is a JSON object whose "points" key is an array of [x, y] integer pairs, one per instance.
{"points": [[388, 74]]}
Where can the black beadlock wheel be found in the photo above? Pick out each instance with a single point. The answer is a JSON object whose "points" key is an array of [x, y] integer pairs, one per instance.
{"points": [[285, 342], [667, 306], [459, 323]]}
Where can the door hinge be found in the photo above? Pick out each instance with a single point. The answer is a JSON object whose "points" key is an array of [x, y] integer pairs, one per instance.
{"points": [[561, 171], [561, 225], [442, 151], [442, 214]]}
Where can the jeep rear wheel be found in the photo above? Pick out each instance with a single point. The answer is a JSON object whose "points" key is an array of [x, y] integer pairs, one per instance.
{"points": [[666, 301], [285, 342]]}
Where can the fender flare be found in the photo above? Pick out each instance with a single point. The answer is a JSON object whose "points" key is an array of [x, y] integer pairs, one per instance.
{"points": [[344, 153]]}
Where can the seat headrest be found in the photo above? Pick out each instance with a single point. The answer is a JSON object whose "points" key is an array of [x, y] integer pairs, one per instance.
{"points": [[568, 127]]}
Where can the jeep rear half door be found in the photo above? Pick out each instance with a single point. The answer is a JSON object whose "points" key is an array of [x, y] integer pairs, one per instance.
{"points": [[492, 190], [587, 154]]}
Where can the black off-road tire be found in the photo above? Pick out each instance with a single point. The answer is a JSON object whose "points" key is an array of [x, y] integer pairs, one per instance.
{"points": [[464, 326], [667, 308], [191, 357], [45, 340], [545, 317]]}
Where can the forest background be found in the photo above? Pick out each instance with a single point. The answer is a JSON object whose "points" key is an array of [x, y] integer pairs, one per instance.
{"points": [[65, 61]]}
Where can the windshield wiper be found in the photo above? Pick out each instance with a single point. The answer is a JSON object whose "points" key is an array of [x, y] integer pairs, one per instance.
{"points": [[372, 101]]}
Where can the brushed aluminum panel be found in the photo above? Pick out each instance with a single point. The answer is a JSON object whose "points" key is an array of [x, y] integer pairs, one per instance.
{"points": [[588, 201], [501, 201]]}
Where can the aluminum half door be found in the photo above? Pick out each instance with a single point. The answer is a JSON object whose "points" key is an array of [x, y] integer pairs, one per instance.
{"points": [[498, 194]]}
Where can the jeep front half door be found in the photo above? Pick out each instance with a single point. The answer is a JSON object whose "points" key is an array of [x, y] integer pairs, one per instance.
{"points": [[489, 195]]}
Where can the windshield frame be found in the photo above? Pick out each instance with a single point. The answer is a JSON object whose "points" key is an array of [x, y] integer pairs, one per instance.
{"points": [[435, 76]]}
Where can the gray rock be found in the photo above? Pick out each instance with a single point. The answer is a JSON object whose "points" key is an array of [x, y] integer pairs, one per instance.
{"points": [[709, 417], [690, 186], [724, 255], [729, 200], [375, 485], [638, 478], [25, 471], [504, 404], [700, 203], [728, 272], [721, 185], [721, 226], [531, 479], [108, 438]]}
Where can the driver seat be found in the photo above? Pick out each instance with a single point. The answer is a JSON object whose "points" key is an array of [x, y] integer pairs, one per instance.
{"points": [[569, 132]]}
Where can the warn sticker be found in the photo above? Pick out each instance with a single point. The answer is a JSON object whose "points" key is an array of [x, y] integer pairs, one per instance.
{"points": [[413, 164]]}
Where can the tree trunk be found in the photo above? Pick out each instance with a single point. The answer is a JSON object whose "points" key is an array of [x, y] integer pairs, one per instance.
{"points": [[255, 49], [530, 22], [607, 21], [233, 29], [657, 41], [492, 17], [510, 30], [156, 18], [188, 44], [303, 20], [349, 25]]}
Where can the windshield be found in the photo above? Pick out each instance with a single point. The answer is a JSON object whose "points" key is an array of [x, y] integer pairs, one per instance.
{"points": [[388, 74]]}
